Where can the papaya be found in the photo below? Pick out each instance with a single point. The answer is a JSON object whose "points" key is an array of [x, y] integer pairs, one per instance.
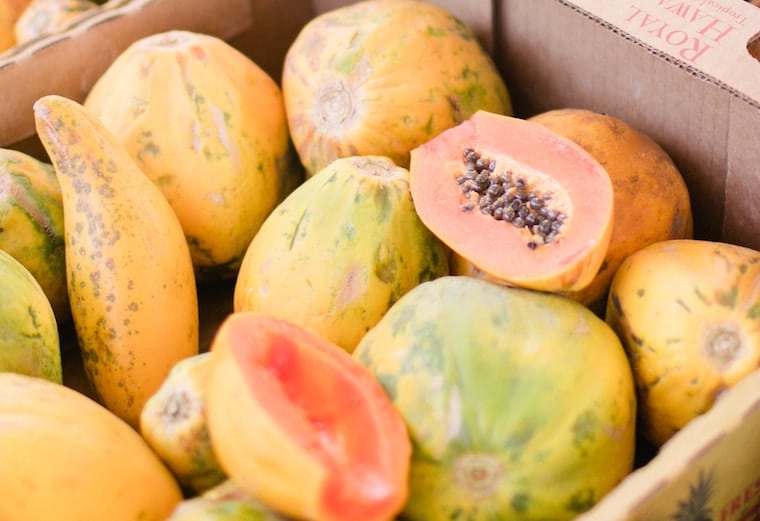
{"points": [[223, 502], [29, 338], [10, 11], [129, 273], [207, 125], [522, 204], [379, 77], [651, 199], [44, 17], [173, 422], [520, 404], [339, 250], [31, 224], [687, 312], [67, 457], [301, 426]]}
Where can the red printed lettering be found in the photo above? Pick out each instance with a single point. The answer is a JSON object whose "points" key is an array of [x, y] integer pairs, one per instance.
{"points": [[716, 29]]}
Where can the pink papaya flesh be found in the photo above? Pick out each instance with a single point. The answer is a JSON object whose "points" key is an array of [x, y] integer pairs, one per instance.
{"points": [[302, 426], [522, 203]]}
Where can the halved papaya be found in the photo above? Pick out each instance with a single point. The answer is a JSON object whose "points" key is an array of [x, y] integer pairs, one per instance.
{"points": [[522, 203], [303, 427]]}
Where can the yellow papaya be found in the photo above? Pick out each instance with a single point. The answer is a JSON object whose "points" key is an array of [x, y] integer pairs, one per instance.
{"points": [[208, 126], [130, 277], [64, 456], [173, 422]]}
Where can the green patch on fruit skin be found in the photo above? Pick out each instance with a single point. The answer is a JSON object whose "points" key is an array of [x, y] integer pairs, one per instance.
{"points": [[727, 298], [585, 429], [581, 501]]}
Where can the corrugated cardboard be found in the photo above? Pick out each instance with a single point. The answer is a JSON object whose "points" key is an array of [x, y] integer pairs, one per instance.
{"points": [[679, 70], [69, 63], [686, 72]]}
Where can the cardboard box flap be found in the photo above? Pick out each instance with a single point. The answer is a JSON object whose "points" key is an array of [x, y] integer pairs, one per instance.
{"points": [[69, 63], [710, 467], [710, 38], [700, 101]]}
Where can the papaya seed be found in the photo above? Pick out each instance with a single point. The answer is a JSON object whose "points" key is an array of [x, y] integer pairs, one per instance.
{"points": [[506, 197]]}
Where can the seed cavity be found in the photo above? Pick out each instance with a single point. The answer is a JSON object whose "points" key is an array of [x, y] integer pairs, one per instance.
{"points": [[508, 197]]}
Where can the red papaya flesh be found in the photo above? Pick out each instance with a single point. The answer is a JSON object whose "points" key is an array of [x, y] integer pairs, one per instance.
{"points": [[301, 426], [523, 204]]}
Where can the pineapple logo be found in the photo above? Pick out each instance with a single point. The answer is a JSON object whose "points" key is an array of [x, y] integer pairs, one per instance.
{"points": [[696, 507]]}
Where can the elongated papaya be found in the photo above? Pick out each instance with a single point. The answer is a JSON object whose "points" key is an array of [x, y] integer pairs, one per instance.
{"points": [[66, 457], [130, 277]]}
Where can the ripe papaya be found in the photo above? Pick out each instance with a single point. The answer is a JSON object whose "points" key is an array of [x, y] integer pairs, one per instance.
{"points": [[339, 250], [207, 125], [522, 204], [520, 404], [379, 77], [301, 426], [64, 456], [130, 277], [687, 312], [651, 199], [31, 224], [29, 338], [173, 422]]}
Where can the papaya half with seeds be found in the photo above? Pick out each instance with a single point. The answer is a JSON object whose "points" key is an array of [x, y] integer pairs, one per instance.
{"points": [[688, 314], [522, 204], [380, 77], [300, 425], [651, 197]]}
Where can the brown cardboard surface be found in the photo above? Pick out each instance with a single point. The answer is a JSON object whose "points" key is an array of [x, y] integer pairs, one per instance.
{"points": [[700, 101], [69, 63]]}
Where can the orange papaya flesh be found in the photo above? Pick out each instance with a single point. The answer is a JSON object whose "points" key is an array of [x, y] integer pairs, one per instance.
{"points": [[313, 435], [522, 203]]}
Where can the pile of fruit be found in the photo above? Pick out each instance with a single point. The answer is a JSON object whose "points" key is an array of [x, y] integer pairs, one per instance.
{"points": [[438, 310]]}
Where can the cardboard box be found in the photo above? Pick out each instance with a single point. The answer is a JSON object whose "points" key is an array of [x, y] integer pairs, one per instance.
{"points": [[684, 71], [70, 62]]}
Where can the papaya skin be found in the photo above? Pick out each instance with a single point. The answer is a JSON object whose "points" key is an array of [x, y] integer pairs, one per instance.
{"points": [[67, 457], [44, 17], [301, 426], [29, 340], [651, 199], [31, 224], [687, 313], [130, 277], [10, 11], [207, 125], [382, 77], [173, 422]]}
